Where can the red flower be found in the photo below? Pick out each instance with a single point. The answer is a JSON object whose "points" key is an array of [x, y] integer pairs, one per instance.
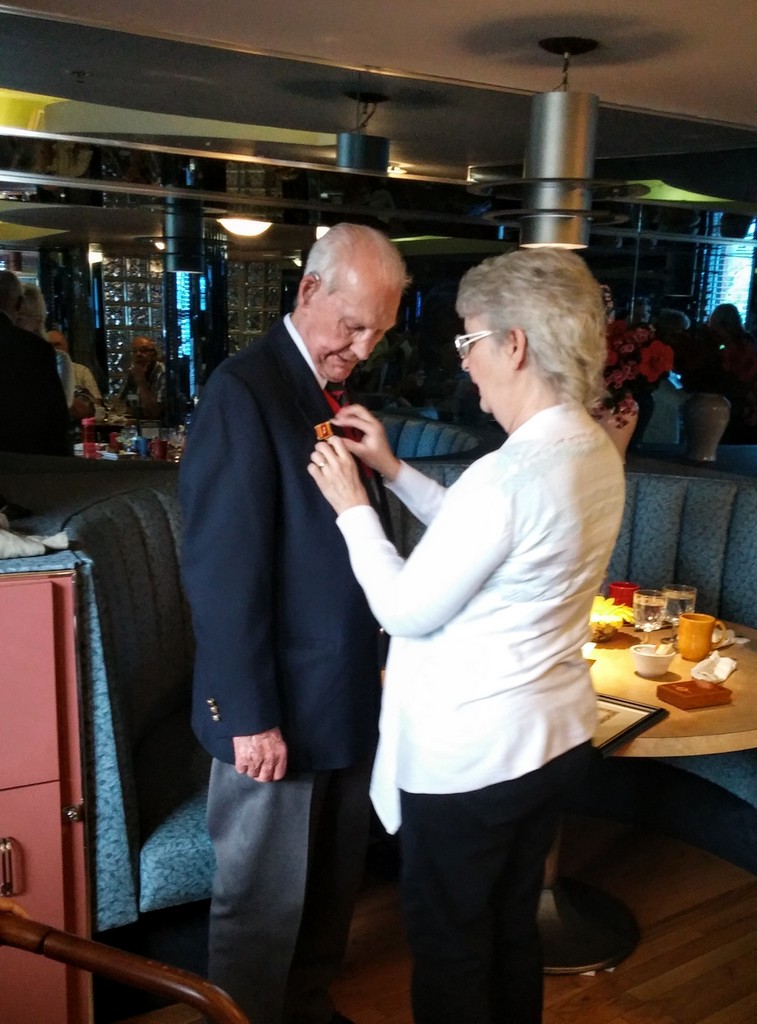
{"points": [[656, 359], [636, 360]]}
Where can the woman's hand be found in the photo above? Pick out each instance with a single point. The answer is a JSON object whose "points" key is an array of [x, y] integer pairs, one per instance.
{"points": [[373, 448], [335, 471]]}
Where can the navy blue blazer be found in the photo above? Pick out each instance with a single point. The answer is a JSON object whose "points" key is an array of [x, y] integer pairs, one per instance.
{"points": [[33, 412], [283, 631]]}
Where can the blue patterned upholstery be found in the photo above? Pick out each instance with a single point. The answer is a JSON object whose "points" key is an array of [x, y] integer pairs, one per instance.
{"points": [[414, 437], [147, 775]]}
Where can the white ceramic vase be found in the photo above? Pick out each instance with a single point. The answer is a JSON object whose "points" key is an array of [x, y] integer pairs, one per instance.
{"points": [[705, 417]]}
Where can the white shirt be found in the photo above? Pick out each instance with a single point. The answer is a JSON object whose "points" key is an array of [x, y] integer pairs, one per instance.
{"points": [[84, 378], [298, 340], [485, 680]]}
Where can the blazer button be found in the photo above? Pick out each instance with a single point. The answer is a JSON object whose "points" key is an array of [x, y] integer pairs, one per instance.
{"points": [[216, 718]]}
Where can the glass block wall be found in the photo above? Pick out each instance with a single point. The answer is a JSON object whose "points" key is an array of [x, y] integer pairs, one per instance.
{"points": [[132, 305], [254, 300]]}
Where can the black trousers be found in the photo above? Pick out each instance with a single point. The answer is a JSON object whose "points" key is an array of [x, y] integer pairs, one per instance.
{"points": [[472, 873]]}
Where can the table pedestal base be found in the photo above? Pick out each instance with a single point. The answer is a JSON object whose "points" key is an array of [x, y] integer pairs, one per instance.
{"points": [[583, 929]]}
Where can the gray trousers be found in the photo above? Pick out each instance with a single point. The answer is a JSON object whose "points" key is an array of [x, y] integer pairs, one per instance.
{"points": [[290, 857]]}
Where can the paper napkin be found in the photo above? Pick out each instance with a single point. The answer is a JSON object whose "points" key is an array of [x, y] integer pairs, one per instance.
{"points": [[714, 669]]}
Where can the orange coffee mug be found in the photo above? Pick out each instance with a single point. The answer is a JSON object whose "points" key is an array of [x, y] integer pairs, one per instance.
{"points": [[695, 635]]}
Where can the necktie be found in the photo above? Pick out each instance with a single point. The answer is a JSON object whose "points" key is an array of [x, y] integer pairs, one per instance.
{"points": [[336, 396]]}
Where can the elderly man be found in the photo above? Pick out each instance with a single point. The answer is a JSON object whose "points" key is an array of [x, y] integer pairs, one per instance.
{"points": [[287, 667], [144, 390], [33, 410]]}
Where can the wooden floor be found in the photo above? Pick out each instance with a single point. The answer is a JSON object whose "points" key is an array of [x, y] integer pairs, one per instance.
{"points": [[696, 962]]}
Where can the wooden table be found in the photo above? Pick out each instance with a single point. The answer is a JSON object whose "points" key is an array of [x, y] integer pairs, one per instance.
{"points": [[715, 730], [582, 928]]}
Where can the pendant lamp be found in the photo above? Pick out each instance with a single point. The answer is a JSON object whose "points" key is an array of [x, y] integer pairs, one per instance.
{"points": [[183, 235], [559, 159], [356, 151], [557, 184]]}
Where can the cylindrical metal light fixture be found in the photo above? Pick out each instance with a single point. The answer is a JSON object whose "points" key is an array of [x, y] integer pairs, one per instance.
{"points": [[558, 165], [358, 152], [184, 236]]}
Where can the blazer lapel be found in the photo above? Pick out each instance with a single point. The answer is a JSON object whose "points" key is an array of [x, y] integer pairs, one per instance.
{"points": [[313, 406], [301, 382]]}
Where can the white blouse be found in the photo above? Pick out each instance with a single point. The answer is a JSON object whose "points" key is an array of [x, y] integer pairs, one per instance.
{"points": [[485, 680]]}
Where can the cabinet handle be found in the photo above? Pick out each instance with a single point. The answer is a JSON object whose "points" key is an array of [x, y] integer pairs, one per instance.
{"points": [[6, 867]]}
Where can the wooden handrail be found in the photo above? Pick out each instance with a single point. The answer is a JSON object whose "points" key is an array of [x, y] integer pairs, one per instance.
{"points": [[127, 968]]}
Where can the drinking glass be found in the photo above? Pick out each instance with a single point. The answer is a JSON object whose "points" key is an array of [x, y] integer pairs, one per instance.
{"points": [[128, 437], [622, 591], [679, 597], [648, 610]]}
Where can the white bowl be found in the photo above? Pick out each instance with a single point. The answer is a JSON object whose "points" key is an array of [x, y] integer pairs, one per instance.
{"points": [[649, 664]]}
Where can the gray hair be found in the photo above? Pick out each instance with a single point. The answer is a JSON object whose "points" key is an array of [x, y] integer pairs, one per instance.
{"points": [[32, 305], [335, 250], [552, 295]]}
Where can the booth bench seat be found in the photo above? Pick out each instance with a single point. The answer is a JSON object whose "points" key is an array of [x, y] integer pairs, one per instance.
{"points": [[146, 773]]}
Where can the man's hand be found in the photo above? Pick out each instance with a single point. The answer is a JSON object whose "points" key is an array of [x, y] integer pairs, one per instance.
{"points": [[263, 756]]}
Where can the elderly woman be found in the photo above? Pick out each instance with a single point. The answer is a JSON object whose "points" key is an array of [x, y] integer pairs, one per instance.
{"points": [[488, 709]]}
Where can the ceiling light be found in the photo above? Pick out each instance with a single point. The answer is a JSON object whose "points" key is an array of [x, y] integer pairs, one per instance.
{"points": [[244, 226], [184, 235], [321, 230], [356, 151], [559, 159], [556, 187]]}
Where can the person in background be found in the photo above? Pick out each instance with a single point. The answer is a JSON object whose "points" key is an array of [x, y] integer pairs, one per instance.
{"points": [[287, 669], [144, 390], [664, 426], [32, 316], [31, 313], [488, 709], [33, 409], [725, 321], [87, 394]]}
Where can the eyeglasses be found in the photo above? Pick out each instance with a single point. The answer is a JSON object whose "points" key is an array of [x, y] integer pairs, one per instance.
{"points": [[465, 342]]}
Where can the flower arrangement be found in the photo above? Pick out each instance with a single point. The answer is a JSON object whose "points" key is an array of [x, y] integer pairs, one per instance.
{"points": [[636, 362], [606, 617], [709, 362]]}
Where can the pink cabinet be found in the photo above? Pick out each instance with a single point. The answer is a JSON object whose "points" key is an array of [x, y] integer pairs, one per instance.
{"points": [[42, 860]]}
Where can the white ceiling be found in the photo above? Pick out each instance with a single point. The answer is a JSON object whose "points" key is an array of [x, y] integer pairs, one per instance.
{"points": [[674, 78], [678, 57]]}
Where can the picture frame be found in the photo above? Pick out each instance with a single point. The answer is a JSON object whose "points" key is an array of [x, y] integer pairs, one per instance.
{"points": [[620, 720]]}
